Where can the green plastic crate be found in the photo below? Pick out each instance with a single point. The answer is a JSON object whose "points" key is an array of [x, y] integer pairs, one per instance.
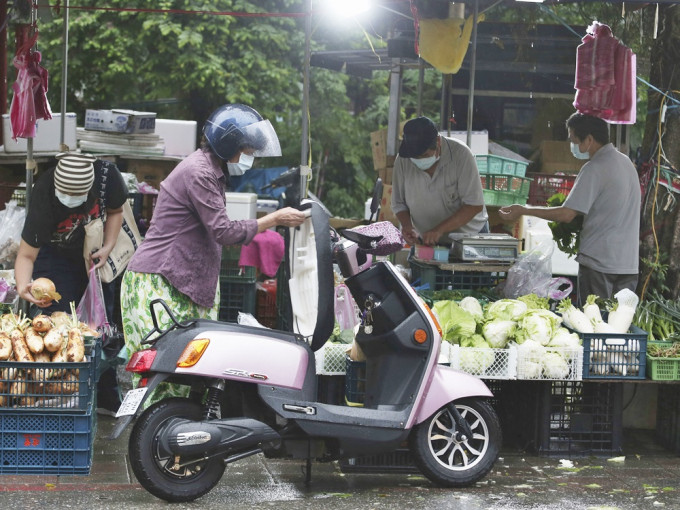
{"points": [[490, 164], [662, 369], [500, 189], [236, 295]]}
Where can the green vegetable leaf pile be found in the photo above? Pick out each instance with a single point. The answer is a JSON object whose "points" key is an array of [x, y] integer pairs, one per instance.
{"points": [[566, 235]]}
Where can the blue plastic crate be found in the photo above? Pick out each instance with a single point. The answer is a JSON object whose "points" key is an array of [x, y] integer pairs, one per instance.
{"points": [[355, 382], [46, 443], [615, 355], [51, 387]]}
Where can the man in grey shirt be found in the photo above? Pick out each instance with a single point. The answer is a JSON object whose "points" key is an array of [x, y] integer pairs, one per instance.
{"points": [[607, 193], [436, 187]]}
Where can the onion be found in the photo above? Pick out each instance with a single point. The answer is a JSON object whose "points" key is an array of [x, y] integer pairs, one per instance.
{"points": [[43, 288]]}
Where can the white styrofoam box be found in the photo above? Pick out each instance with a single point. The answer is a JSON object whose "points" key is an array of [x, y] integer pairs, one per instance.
{"points": [[120, 121], [179, 136], [534, 231], [267, 206], [479, 140], [47, 134], [330, 359], [533, 365], [485, 363], [241, 206]]}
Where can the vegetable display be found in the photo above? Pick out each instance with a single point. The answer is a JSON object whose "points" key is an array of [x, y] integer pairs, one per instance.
{"points": [[566, 235], [43, 341], [660, 317]]}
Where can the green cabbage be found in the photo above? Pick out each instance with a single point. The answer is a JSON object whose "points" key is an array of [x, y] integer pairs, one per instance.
{"points": [[534, 302], [539, 325], [506, 309], [498, 332], [455, 322], [555, 366], [477, 359], [473, 306]]}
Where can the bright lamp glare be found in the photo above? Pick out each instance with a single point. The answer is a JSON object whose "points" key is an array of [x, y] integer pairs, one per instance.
{"points": [[346, 8]]}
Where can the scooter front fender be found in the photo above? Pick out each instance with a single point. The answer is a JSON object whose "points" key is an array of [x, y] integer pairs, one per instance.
{"points": [[447, 386]]}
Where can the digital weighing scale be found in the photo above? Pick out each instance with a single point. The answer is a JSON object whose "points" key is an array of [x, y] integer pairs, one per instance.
{"points": [[472, 248]]}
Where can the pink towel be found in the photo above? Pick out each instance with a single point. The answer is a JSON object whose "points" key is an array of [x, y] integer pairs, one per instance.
{"points": [[264, 252]]}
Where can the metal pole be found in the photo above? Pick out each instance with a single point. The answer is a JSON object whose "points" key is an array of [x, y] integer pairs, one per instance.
{"points": [[64, 79], [305, 170], [421, 79], [30, 162], [473, 65]]}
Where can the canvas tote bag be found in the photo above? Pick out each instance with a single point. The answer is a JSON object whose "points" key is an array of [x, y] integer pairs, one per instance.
{"points": [[128, 240]]}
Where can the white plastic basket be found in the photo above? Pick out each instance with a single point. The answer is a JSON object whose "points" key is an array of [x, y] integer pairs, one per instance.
{"points": [[485, 363], [330, 359], [533, 366]]}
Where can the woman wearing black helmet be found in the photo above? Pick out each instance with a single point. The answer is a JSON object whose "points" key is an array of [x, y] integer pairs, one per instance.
{"points": [[179, 260]]}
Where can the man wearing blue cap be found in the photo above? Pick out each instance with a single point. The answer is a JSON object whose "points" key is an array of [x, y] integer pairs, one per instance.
{"points": [[436, 189]]}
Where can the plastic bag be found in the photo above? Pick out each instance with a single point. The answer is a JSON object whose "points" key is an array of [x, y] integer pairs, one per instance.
{"points": [[12, 220], [532, 274], [91, 309]]}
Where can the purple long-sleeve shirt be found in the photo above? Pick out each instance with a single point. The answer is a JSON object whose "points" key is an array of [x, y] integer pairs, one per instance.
{"points": [[188, 228]]}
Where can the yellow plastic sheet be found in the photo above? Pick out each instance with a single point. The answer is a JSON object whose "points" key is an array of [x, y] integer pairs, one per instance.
{"points": [[444, 42]]}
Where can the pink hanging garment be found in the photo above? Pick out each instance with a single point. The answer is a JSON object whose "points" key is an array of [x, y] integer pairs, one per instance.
{"points": [[29, 102]]}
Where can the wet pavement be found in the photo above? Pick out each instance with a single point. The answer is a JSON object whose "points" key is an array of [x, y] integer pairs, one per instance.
{"points": [[646, 477]]}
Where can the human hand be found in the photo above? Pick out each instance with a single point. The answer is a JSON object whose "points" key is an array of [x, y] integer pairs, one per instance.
{"points": [[410, 235], [289, 217], [99, 257], [431, 237], [25, 294], [511, 212]]}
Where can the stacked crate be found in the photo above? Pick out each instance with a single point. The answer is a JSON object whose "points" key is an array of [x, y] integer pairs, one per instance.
{"points": [[237, 286]]}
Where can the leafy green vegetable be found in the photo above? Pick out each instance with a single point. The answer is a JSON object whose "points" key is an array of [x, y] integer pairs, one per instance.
{"points": [[539, 325], [505, 309], [456, 323], [566, 235], [533, 301], [498, 332]]}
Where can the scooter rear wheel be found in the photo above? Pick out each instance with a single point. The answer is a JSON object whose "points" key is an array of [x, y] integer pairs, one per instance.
{"points": [[448, 460], [157, 472]]}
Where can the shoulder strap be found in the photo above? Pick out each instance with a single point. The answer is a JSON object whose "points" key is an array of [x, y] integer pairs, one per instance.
{"points": [[102, 190]]}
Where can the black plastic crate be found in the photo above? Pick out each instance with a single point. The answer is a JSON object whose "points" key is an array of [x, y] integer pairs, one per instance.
{"points": [[398, 461], [580, 419], [236, 295], [331, 389], [517, 405], [46, 443], [355, 382], [667, 431], [435, 278]]}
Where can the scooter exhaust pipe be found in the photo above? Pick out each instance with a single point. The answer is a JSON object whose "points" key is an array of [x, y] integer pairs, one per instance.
{"points": [[187, 437]]}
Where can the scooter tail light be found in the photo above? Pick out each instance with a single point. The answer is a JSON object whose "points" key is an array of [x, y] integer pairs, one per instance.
{"points": [[193, 352], [141, 361], [434, 319]]}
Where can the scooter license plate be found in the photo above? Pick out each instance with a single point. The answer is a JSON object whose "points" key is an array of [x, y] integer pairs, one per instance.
{"points": [[131, 402]]}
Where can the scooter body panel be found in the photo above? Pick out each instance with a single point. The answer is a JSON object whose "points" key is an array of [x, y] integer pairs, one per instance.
{"points": [[448, 385], [245, 355]]}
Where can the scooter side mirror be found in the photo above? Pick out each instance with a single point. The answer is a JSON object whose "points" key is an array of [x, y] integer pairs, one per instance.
{"points": [[377, 197]]}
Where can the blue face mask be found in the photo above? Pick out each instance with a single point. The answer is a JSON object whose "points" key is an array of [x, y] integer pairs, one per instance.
{"points": [[577, 153], [245, 163], [425, 163], [70, 201]]}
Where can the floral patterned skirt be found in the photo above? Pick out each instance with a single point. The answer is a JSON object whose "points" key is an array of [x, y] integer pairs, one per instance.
{"points": [[136, 293]]}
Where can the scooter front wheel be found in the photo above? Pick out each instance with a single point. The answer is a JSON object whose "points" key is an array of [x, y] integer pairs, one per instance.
{"points": [[447, 458], [174, 480]]}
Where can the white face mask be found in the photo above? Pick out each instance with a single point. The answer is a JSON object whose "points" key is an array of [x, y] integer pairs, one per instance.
{"points": [[425, 163], [245, 162], [70, 201], [577, 153]]}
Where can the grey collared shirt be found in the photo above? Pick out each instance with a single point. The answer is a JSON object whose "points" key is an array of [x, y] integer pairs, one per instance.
{"points": [[188, 228]]}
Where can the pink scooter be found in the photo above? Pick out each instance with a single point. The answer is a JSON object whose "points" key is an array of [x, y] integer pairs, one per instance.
{"points": [[255, 390]]}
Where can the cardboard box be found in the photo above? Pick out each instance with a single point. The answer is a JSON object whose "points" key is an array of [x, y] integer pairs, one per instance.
{"points": [[150, 171], [379, 147], [386, 174], [555, 157], [120, 121], [386, 213], [47, 134]]}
